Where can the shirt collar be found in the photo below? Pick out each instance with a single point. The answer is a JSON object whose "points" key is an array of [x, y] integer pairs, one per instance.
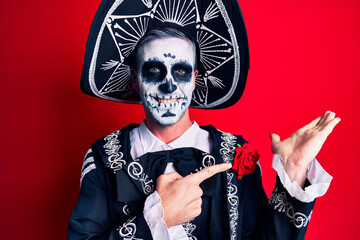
{"points": [[187, 139], [148, 140], [151, 143]]}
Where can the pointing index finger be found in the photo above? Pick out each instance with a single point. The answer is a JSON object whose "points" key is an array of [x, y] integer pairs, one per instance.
{"points": [[209, 172]]}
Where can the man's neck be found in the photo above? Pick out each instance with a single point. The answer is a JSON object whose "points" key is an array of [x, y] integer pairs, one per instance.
{"points": [[167, 134]]}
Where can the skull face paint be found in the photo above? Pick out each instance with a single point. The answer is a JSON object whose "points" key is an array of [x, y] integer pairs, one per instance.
{"points": [[165, 76]]}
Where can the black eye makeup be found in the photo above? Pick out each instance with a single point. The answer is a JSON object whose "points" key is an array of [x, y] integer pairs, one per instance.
{"points": [[153, 71], [181, 72]]}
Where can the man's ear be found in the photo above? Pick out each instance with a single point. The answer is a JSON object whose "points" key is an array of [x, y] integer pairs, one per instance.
{"points": [[134, 82], [195, 75]]}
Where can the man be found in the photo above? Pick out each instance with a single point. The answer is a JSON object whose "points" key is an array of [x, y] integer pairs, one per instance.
{"points": [[136, 183]]}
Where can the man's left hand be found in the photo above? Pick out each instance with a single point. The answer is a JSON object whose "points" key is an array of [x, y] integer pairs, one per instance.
{"points": [[302, 146]]}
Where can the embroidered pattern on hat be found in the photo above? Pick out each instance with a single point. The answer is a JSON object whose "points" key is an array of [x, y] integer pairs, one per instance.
{"points": [[217, 48]]}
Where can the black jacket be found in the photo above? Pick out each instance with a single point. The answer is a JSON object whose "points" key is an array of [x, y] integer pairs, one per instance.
{"points": [[113, 192]]}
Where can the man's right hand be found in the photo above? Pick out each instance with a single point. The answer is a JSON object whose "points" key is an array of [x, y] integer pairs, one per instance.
{"points": [[181, 196]]}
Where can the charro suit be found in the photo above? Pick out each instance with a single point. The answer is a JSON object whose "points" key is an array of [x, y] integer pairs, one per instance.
{"points": [[114, 188]]}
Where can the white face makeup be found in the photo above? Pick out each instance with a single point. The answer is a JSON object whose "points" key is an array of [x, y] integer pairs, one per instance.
{"points": [[165, 78]]}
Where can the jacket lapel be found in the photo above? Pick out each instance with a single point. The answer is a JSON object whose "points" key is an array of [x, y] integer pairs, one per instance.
{"points": [[224, 145]]}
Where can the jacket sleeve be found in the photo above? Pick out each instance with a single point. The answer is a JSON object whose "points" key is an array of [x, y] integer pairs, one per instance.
{"points": [[93, 217], [281, 217]]}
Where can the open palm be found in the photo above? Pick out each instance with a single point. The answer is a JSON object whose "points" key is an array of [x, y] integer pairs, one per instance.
{"points": [[302, 146]]}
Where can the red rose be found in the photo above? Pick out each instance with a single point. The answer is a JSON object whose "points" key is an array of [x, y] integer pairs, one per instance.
{"points": [[245, 160]]}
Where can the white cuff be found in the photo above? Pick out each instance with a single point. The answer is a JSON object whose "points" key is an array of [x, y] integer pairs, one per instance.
{"points": [[317, 176], [154, 216]]}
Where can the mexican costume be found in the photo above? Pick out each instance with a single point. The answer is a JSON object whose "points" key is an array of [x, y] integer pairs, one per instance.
{"points": [[114, 188]]}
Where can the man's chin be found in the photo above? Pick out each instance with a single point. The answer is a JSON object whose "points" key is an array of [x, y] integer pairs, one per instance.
{"points": [[166, 118], [167, 121], [168, 114]]}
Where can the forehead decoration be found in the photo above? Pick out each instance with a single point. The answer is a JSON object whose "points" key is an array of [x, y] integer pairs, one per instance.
{"points": [[217, 28]]}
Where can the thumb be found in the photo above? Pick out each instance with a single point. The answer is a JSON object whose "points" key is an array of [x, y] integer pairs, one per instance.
{"points": [[274, 138]]}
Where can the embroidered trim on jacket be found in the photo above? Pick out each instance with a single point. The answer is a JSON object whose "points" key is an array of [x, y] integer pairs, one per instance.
{"points": [[228, 147], [189, 227], [227, 152], [281, 204], [136, 171], [88, 165], [112, 148], [207, 161], [233, 200], [126, 210], [128, 230]]}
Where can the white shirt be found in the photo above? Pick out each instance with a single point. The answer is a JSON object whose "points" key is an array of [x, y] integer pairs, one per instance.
{"points": [[143, 141]]}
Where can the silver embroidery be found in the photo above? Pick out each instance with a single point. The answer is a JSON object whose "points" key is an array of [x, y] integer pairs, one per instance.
{"points": [[200, 93], [211, 12], [207, 161], [136, 171], [215, 50], [148, 3], [85, 169], [236, 55], [227, 152], [126, 210], [217, 82], [281, 204], [87, 161], [127, 30], [112, 148], [120, 78], [189, 227], [228, 147], [233, 200], [128, 230], [172, 11], [109, 65]]}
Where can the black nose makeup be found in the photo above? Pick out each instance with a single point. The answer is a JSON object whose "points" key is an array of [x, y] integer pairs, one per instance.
{"points": [[168, 86]]}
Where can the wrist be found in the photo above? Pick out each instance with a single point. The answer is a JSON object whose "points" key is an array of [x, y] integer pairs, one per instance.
{"points": [[167, 222], [295, 172]]}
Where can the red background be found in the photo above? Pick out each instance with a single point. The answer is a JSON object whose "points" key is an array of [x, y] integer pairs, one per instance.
{"points": [[304, 61]]}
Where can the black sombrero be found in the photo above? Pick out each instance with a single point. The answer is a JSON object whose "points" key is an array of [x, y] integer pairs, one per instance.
{"points": [[216, 26]]}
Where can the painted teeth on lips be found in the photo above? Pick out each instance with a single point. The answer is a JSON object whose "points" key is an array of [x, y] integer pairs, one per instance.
{"points": [[163, 100]]}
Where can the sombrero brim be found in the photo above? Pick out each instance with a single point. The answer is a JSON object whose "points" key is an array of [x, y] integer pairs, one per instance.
{"points": [[217, 27]]}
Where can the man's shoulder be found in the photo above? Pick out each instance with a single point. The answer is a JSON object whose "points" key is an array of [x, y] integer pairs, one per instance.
{"points": [[112, 149], [116, 135]]}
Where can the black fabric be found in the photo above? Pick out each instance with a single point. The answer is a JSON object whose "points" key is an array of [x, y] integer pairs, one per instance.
{"points": [[185, 160], [105, 194]]}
